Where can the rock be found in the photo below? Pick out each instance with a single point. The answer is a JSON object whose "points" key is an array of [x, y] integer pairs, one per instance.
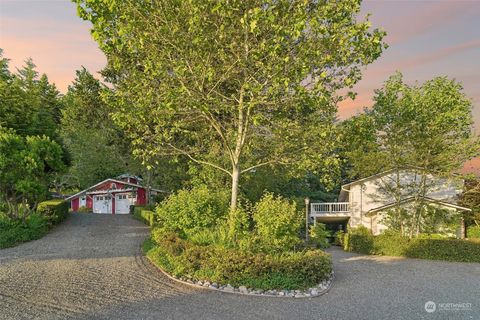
{"points": [[314, 292], [299, 295], [229, 289], [281, 293], [206, 284], [190, 281], [215, 284], [213, 287], [243, 289], [307, 295], [199, 282]]}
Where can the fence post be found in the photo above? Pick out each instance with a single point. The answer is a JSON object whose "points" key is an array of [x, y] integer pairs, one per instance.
{"points": [[307, 216]]}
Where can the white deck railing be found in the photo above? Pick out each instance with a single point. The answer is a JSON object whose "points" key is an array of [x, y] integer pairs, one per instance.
{"points": [[329, 207]]}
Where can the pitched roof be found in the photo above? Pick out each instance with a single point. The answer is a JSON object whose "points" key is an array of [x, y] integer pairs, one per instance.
{"points": [[113, 180], [410, 199]]}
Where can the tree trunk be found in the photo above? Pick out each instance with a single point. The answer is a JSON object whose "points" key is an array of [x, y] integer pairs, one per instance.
{"points": [[235, 183]]}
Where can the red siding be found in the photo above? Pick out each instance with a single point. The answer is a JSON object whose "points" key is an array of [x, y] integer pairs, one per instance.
{"points": [[141, 197], [108, 185], [113, 203], [75, 204], [89, 202]]}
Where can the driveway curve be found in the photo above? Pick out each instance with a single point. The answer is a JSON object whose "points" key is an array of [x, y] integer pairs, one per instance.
{"points": [[91, 267]]}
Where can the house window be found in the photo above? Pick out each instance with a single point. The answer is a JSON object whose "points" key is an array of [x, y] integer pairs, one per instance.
{"points": [[114, 186]]}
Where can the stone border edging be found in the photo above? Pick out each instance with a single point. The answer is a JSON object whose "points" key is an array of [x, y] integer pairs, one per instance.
{"points": [[242, 290]]}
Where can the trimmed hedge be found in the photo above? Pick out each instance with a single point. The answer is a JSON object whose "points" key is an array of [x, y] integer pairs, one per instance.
{"points": [[390, 244], [183, 258], [54, 211], [143, 214]]}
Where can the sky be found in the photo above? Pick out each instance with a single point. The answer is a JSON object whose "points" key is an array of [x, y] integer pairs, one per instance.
{"points": [[426, 39]]}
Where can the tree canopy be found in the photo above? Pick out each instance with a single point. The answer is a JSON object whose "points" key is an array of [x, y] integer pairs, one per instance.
{"points": [[234, 85]]}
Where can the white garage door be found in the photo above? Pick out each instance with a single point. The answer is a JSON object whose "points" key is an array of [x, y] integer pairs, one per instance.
{"points": [[122, 204], [102, 204]]}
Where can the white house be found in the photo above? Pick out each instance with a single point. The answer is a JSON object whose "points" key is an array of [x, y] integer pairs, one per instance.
{"points": [[363, 202]]}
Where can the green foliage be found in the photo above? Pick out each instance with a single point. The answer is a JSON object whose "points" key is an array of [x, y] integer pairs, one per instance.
{"points": [[30, 105], [319, 235], [425, 128], [434, 248], [90, 135], [277, 223], [13, 232], [218, 264], [473, 232], [190, 211], [262, 94], [53, 211], [26, 165], [84, 209], [360, 240], [144, 215], [339, 238]]}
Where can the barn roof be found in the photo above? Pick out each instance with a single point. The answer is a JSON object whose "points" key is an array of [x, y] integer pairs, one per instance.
{"points": [[112, 180]]}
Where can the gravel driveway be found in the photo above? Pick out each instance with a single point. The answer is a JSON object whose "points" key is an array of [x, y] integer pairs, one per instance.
{"points": [[90, 267]]}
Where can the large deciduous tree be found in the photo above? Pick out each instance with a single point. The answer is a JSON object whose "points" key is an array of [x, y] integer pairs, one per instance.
{"points": [[426, 128], [234, 85]]}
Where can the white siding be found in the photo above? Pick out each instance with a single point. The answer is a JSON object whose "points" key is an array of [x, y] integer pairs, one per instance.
{"points": [[368, 195]]}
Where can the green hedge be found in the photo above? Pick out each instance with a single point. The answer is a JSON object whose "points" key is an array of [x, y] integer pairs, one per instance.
{"points": [[424, 248], [54, 211], [15, 232], [473, 232], [144, 215], [223, 265]]}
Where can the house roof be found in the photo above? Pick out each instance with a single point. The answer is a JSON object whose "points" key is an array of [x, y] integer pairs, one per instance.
{"points": [[380, 174], [128, 175], [113, 180], [410, 199]]}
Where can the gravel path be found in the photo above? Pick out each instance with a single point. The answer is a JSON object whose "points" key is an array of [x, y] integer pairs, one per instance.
{"points": [[90, 267]]}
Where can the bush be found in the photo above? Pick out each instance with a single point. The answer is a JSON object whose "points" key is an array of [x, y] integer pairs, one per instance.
{"points": [[144, 215], [14, 232], [339, 238], [183, 258], [54, 211], [190, 211], [319, 235], [277, 223], [434, 248], [360, 240], [84, 209], [473, 232]]}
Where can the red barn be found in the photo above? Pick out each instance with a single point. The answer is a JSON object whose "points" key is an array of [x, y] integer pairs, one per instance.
{"points": [[112, 196]]}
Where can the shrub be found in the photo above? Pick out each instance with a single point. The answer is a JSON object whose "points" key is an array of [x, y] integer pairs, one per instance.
{"points": [[190, 211], [84, 209], [360, 239], [14, 232], [473, 232], [144, 215], [339, 238], [319, 235], [434, 248], [183, 258], [54, 211], [277, 223]]}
